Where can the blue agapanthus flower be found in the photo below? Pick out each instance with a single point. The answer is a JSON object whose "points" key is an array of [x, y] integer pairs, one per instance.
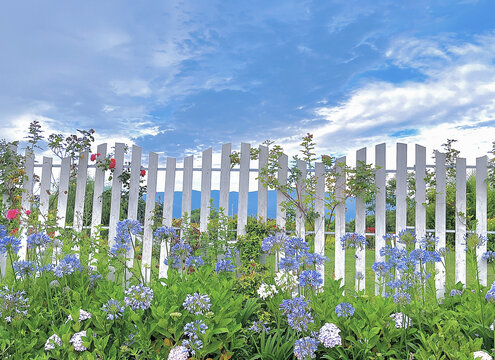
{"points": [[310, 278], [224, 265], [68, 265], [344, 310], [3, 231], [288, 264], [489, 256], [197, 304], [38, 240], [353, 240], [274, 243], [305, 348], [165, 232], [9, 243], [114, 309], [24, 268], [298, 316], [138, 297], [179, 252], [295, 246], [194, 261]]}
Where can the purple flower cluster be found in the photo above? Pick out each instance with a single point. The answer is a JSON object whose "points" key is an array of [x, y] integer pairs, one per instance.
{"points": [[165, 232], [123, 238], [38, 240], [489, 256], [344, 310], [310, 278], [68, 265], [24, 269], [297, 313], [194, 261], [329, 335], [353, 240], [13, 304], [192, 330], [197, 303], [9, 243], [178, 254], [490, 295], [225, 265], [305, 348], [114, 309], [138, 297], [274, 243], [259, 327]]}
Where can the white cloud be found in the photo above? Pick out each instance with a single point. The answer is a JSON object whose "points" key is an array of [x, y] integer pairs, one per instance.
{"points": [[131, 87], [454, 101]]}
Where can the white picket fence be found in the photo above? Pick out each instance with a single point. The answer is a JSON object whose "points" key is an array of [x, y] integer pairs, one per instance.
{"points": [[47, 183]]}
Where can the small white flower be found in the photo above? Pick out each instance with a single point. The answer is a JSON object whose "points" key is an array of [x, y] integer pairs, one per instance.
{"points": [[77, 341], [266, 291], [398, 320], [482, 355], [83, 315], [286, 280], [52, 341]]}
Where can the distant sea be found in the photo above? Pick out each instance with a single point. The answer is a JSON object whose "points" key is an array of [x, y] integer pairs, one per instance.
{"points": [[234, 201]]}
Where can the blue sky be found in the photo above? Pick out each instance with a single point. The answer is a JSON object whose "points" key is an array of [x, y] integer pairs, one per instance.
{"points": [[177, 77]]}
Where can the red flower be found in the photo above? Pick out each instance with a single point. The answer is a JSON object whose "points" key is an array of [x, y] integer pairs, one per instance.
{"points": [[112, 164], [12, 214], [14, 232], [94, 156], [143, 172]]}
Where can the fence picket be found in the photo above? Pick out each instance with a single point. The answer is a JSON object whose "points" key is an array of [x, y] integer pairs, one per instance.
{"points": [[45, 186], [242, 211], [301, 195], [168, 206], [481, 214], [26, 198], [187, 181], [360, 279], [134, 182], [148, 215], [440, 219], [99, 186], [225, 179], [81, 178], [340, 220], [320, 219], [282, 179], [262, 190], [116, 190], [205, 189], [401, 190], [380, 206], [460, 221], [420, 195]]}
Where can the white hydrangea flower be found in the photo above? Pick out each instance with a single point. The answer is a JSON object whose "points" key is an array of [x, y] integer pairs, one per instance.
{"points": [[52, 341], [267, 291], [77, 341], [482, 355], [83, 315], [178, 353], [329, 335], [286, 280]]}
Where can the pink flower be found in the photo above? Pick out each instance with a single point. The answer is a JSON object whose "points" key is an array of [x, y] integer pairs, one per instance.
{"points": [[28, 212], [12, 214], [94, 156]]}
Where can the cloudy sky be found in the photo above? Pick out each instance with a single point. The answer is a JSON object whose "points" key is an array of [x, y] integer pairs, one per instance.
{"points": [[177, 77]]}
